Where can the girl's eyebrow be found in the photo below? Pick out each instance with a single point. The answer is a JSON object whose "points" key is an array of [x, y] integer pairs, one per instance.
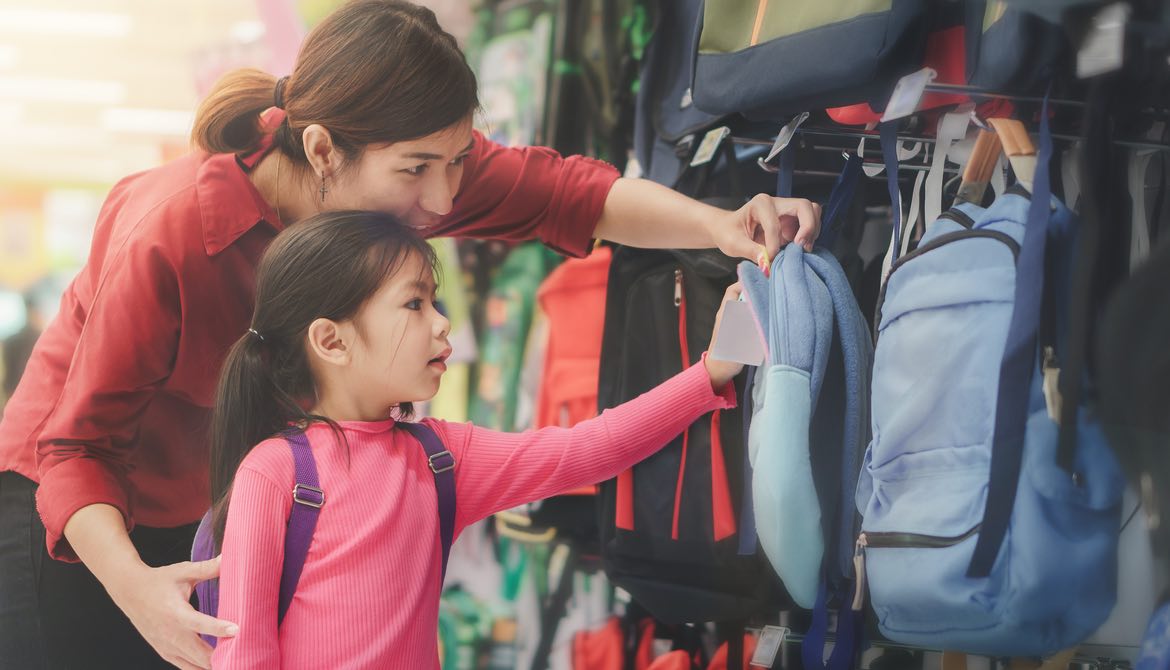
{"points": [[420, 285]]}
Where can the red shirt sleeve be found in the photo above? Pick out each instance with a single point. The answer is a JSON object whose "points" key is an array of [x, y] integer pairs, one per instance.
{"points": [[125, 351], [529, 193]]}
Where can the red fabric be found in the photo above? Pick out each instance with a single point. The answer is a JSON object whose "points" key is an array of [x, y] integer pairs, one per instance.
{"points": [[673, 660], [601, 649], [946, 52], [723, 523], [719, 660], [115, 401], [573, 299], [369, 593]]}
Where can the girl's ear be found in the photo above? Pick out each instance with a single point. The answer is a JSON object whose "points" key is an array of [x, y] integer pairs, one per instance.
{"points": [[330, 341]]}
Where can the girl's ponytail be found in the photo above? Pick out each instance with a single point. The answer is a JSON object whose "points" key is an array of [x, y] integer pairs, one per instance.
{"points": [[228, 119], [249, 408]]}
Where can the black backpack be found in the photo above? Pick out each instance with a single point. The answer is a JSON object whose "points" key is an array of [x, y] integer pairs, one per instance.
{"points": [[658, 520]]}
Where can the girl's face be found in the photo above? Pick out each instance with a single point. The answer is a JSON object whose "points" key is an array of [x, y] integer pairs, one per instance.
{"points": [[401, 348], [415, 180]]}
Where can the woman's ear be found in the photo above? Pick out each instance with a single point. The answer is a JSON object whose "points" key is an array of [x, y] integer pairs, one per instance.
{"points": [[330, 341], [320, 150]]}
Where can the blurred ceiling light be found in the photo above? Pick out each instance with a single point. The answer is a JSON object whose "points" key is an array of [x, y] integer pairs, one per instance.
{"points": [[62, 90], [27, 20], [148, 121], [9, 55], [11, 112], [246, 32]]}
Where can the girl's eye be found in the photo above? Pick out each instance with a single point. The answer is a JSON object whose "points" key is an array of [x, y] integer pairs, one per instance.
{"points": [[415, 304], [459, 161], [416, 170], [440, 307]]}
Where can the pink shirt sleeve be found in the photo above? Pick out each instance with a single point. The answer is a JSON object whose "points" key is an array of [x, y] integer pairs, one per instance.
{"points": [[496, 471], [254, 540]]}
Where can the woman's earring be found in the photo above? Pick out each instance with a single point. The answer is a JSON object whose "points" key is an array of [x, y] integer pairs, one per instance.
{"points": [[324, 189]]}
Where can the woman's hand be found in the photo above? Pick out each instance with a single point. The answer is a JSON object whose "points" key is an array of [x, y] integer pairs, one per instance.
{"points": [[722, 372], [157, 602], [772, 222]]}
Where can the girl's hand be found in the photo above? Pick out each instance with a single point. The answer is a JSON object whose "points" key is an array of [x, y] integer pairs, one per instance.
{"points": [[722, 372], [770, 221], [157, 602]]}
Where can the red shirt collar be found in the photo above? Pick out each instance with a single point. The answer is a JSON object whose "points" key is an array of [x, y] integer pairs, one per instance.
{"points": [[229, 204]]}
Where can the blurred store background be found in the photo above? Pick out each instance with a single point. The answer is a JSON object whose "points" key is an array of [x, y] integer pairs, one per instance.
{"points": [[94, 90]]}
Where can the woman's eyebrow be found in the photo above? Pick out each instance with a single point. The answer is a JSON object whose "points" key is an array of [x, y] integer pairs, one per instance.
{"points": [[427, 156]]}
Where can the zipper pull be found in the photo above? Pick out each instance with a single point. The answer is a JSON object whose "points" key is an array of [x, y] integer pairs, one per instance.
{"points": [[677, 287], [859, 573], [1051, 369]]}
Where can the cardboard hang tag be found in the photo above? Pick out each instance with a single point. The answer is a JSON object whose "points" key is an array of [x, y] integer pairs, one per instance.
{"points": [[768, 646], [738, 339], [908, 93]]}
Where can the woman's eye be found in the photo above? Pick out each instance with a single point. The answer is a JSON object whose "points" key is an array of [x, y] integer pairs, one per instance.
{"points": [[440, 307], [416, 170], [415, 304], [459, 161]]}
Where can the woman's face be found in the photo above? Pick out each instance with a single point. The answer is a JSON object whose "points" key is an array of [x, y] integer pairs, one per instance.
{"points": [[414, 180]]}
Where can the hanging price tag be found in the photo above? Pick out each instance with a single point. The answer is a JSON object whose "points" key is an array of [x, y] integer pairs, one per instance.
{"points": [[710, 145], [771, 639], [907, 94], [785, 136], [738, 338], [1103, 49]]}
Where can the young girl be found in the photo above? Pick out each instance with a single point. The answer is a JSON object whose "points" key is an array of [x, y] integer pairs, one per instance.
{"points": [[345, 337]]}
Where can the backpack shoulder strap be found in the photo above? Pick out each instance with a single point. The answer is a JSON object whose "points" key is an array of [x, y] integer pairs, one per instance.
{"points": [[443, 466], [302, 519]]}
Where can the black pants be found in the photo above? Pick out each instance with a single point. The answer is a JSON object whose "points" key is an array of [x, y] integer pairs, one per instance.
{"points": [[56, 615]]}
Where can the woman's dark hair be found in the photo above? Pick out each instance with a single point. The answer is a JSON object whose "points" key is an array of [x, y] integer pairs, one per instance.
{"points": [[372, 72], [326, 266]]}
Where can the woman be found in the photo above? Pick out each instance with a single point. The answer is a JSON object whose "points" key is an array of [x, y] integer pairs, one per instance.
{"points": [[108, 428]]}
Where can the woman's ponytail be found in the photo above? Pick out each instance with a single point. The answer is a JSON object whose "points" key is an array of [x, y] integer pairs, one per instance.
{"points": [[228, 119]]}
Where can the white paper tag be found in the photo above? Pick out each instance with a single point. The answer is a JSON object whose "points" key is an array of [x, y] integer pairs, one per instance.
{"points": [[710, 145], [771, 639], [785, 136], [1103, 49], [738, 339], [908, 93]]}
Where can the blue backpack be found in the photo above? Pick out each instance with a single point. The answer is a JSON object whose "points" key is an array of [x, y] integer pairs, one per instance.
{"points": [[980, 534], [308, 499]]}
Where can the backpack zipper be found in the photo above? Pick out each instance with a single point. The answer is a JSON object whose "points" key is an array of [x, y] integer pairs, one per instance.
{"points": [[685, 353], [897, 540]]}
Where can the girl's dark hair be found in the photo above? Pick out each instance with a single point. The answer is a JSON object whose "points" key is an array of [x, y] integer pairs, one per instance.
{"points": [[326, 266], [372, 72]]}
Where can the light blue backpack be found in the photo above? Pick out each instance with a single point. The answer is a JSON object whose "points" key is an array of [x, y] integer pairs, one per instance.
{"points": [[810, 423], [974, 537]]}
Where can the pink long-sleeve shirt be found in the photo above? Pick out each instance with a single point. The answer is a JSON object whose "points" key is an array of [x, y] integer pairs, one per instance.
{"points": [[369, 593]]}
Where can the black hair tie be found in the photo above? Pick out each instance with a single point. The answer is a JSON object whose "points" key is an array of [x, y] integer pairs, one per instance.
{"points": [[278, 94]]}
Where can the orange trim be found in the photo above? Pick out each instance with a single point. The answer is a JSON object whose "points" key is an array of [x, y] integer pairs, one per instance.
{"points": [[760, 11], [723, 517], [624, 518]]}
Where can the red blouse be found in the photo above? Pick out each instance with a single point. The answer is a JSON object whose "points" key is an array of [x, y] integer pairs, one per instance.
{"points": [[115, 403]]}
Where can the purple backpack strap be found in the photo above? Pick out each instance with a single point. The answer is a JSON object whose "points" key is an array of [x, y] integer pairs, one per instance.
{"points": [[302, 520], [443, 466]]}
